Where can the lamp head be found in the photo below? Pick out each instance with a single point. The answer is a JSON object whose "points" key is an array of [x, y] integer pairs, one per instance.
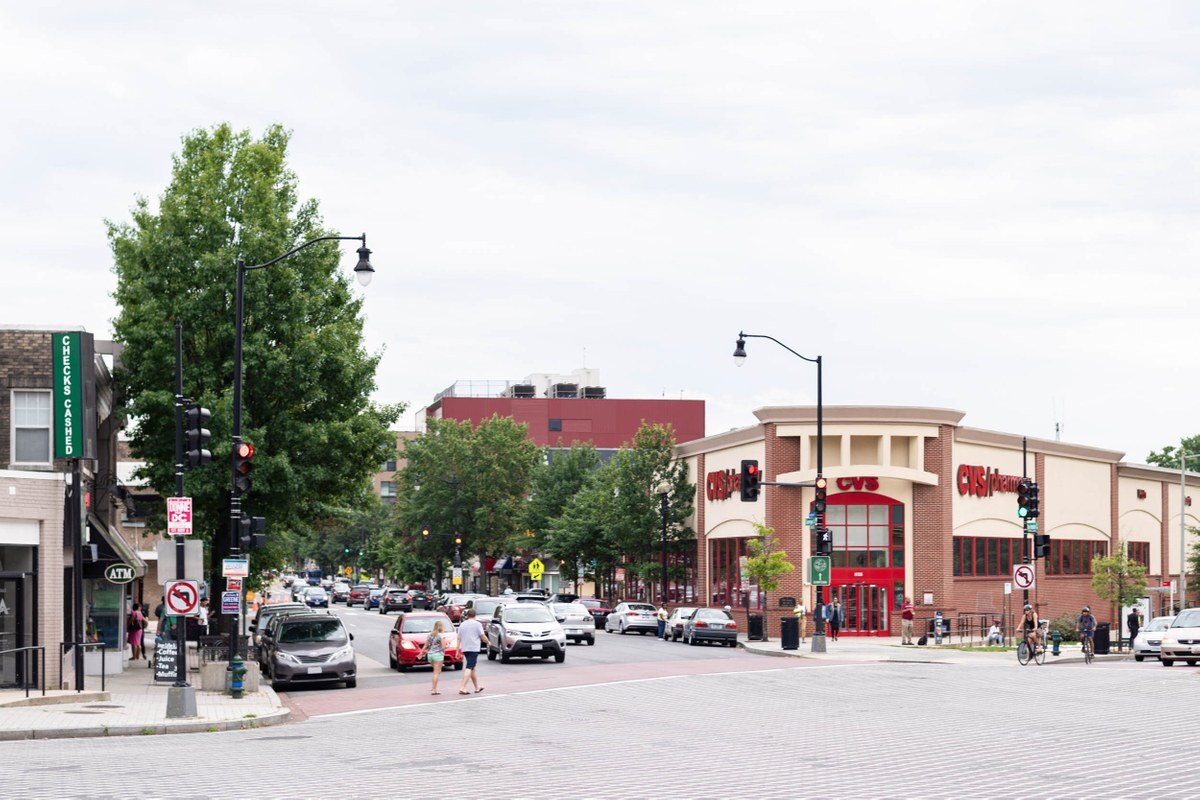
{"points": [[363, 269], [739, 352]]}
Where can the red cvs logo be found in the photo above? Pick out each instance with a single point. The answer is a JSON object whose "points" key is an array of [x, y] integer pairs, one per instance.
{"points": [[863, 484]]}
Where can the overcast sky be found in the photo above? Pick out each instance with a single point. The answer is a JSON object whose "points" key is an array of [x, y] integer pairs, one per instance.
{"points": [[990, 207]]}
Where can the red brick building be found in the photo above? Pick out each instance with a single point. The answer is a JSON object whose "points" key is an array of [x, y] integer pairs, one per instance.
{"points": [[921, 506]]}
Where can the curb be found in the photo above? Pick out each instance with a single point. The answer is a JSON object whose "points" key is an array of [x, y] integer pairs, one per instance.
{"points": [[191, 726], [59, 700]]}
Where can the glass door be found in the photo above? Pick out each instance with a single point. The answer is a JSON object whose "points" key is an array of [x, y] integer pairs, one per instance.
{"points": [[864, 608], [12, 631]]}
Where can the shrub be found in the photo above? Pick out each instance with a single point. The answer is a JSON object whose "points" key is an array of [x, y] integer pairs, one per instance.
{"points": [[1065, 625]]}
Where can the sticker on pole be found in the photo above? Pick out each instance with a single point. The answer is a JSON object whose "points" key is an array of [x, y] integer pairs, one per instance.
{"points": [[235, 568], [1024, 576], [231, 602], [179, 516], [182, 598]]}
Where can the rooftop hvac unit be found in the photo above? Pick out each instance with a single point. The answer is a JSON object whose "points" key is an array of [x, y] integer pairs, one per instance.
{"points": [[594, 392], [524, 390], [561, 391]]}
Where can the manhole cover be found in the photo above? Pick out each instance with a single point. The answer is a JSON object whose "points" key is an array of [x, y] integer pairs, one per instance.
{"points": [[94, 705], [84, 712]]}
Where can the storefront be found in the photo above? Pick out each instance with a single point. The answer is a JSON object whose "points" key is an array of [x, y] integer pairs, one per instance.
{"points": [[922, 507]]}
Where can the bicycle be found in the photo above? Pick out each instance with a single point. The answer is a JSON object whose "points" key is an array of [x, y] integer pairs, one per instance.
{"points": [[1037, 653], [1088, 649]]}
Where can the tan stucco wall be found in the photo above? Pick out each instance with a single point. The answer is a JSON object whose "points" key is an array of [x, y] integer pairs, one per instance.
{"points": [[985, 516], [1077, 499]]}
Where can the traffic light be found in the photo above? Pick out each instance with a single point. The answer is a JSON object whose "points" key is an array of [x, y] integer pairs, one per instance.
{"points": [[819, 502], [251, 530], [1041, 545], [243, 453], [749, 482], [457, 540], [1023, 497], [198, 435], [345, 549], [824, 541], [425, 531], [1034, 501]]}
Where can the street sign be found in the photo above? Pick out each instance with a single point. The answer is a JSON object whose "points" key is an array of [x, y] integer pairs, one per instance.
{"points": [[193, 561], [235, 568], [1024, 576], [349, 571], [233, 584], [620, 575], [818, 570], [179, 516], [231, 602], [810, 521], [118, 573], [182, 598], [1031, 525], [536, 568], [1007, 587], [457, 578]]}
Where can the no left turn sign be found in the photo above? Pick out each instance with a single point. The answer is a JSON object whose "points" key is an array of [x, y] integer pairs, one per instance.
{"points": [[1024, 576], [182, 598]]}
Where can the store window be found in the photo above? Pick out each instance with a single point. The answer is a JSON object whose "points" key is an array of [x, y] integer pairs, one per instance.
{"points": [[1139, 553], [865, 536], [31, 427], [984, 556], [729, 587], [1073, 557]]}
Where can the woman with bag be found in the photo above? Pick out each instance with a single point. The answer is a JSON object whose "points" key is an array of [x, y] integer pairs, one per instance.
{"points": [[136, 624], [435, 652]]}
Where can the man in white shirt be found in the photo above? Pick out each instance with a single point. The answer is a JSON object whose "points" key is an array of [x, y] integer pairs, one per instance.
{"points": [[994, 635], [470, 637]]}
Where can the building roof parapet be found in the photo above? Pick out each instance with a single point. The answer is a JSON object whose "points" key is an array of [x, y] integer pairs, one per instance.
{"points": [[1047, 446], [719, 441], [901, 415], [1150, 472]]}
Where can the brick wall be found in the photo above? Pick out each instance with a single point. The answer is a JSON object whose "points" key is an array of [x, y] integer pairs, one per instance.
{"points": [[932, 532], [786, 511]]}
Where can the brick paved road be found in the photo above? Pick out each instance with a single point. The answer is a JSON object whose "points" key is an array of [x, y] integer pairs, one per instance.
{"points": [[814, 730]]}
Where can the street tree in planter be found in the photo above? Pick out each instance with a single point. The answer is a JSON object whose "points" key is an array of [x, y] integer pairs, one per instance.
{"points": [[765, 563]]}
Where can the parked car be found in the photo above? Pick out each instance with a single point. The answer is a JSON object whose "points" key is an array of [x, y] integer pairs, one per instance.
{"points": [[263, 618], [563, 597], [710, 625], [1149, 639], [452, 605], [598, 609], [358, 595], [374, 594], [394, 599], [316, 597], [408, 637], [340, 592], [576, 621], [526, 597], [525, 629], [1181, 641], [422, 599], [310, 647], [626, 617], [675, 622]]}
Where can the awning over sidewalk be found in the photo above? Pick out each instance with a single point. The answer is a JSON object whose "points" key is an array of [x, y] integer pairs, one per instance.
{"points": [[116, 543]]}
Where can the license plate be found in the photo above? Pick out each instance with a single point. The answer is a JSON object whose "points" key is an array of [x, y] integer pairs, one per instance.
{"points": [[716, 626], [314, 670], [535, 647], [574, 630]]}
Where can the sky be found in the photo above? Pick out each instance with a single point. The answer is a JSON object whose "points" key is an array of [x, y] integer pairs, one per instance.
{"points": [[989, 207]]}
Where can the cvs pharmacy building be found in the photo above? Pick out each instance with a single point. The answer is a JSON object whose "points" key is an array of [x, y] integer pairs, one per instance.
{"points": [[923, 507]]}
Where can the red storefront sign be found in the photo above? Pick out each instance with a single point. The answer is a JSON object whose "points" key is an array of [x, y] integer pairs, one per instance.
{"points": [[723, 484], [984, 481]]}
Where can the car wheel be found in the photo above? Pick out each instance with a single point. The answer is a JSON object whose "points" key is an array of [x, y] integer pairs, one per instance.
{"points": [[491, 655], [643, 633], [459, 665], [692, 641], [560, 658], [623, 630], [1191, 662], [405, 667], [591, 640], [1139, 658], [1167, 662], [392, 661], [505, 658], [351, 683]]}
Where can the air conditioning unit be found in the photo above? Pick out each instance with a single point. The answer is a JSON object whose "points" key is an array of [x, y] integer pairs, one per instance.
{"points": [[561, 391], [524, 390], [594, 392]]}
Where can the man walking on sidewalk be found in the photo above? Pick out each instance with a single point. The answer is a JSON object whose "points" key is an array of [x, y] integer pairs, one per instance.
{"points": [[906, 621], [470, 637]]}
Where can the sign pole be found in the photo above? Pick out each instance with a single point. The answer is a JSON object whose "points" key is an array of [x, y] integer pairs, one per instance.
{"points": [[181, 698]]}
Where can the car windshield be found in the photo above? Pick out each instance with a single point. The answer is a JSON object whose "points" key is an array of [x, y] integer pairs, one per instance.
{"points": [[396, 593], [484, 608], [683, 612], [527, 614], [641, 607], [711, 613], [317, 630], [316, 591], [1160, 624], [571, 608], [425, 624], [1189, 618], [591, 604]]}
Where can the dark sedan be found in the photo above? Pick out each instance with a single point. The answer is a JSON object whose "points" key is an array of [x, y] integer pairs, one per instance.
{"points": [[597, 609], [710, 625], [394, 600]]}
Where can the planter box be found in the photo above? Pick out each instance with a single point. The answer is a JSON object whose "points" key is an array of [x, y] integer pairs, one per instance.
{"points": [[213, 676]]}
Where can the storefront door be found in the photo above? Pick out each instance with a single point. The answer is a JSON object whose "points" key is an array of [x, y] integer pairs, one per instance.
{"points": [[864, 608], [12, 632]]}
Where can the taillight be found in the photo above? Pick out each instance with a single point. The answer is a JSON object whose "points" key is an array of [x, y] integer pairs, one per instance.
{"points": [[701, 624], [632, 613], [732, 626]]}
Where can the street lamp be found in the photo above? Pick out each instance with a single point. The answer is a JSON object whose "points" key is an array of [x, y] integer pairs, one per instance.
{"points": [[664, 489], [739, 358], [1183, 457], [363, 271]]}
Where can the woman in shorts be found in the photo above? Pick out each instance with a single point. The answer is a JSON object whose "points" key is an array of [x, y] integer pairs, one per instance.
{"points": [[435, 652]]}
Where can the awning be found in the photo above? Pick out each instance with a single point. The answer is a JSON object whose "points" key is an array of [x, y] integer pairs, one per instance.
{"points": [[116, 543]]}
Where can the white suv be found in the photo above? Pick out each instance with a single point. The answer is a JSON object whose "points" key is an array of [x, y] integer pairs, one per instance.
{"points": [[525, 629]]}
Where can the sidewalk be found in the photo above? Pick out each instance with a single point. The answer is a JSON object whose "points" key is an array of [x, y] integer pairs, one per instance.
{"points": [[889, 649], [131, 705]]}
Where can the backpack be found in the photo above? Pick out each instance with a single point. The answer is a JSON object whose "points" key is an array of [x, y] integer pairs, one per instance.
{"points": [[924, 640]]}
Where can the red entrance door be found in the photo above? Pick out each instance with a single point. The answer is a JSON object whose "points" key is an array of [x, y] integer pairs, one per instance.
{"points": [[864, 608]]}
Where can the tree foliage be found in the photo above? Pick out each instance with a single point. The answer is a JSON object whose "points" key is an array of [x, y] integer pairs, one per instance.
{"points": [[307, 377], [1117, 578], [765, 562], [1170, 455]]}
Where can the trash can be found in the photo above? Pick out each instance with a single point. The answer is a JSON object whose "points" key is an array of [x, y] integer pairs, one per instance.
{"points": [[1102, 641], [789, 633], [755, 633]]}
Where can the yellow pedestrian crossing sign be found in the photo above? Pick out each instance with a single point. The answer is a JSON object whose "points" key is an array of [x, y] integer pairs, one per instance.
{"points": [[536, 568]]}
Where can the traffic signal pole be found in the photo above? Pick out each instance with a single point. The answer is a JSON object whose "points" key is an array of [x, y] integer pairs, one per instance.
{"points": [[181, 698]]}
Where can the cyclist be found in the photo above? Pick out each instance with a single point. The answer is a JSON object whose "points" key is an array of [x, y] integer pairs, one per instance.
{"points": [[1030, 624], [1086, 628]]}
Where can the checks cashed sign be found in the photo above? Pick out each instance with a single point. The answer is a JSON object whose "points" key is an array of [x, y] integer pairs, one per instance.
{"points": [[74, 395]]}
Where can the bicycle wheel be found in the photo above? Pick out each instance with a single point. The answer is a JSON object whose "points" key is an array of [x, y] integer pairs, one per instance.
{"points": [[1087, 650], [1023, 653], [1040, 654]]}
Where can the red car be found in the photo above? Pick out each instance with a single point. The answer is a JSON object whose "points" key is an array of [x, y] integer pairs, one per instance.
{"points": [[455, 604], [408, 637], [358, 594]]}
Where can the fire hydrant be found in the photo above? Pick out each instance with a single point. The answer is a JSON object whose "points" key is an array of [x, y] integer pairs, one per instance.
{"points": [[1055, 640], [237, 672]]}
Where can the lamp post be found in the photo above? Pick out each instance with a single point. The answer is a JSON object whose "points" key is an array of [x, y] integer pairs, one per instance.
{"points": [[739, 358], [1183, 457], [364, 271], [663, 490]]}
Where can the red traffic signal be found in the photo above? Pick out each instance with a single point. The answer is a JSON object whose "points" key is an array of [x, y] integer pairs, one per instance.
{"points": [[243, 452], [749, 481], [819, 502]]}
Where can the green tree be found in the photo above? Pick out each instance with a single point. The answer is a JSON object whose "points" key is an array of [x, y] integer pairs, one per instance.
{"points": [[579, 535], [561, 475], [1117, 578], [765, 563], [1170, 455], [307, 377]]}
